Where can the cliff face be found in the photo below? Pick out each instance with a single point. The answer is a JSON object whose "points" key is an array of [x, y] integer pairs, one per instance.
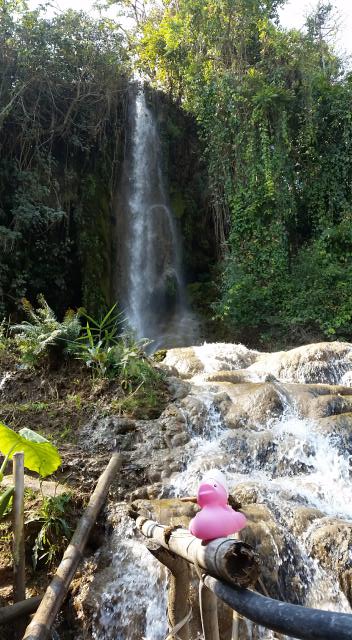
{"points": [[164, 245], [190, 201]]}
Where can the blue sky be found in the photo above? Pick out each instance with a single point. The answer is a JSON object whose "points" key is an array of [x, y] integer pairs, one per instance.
{"points": [[293, 15]]}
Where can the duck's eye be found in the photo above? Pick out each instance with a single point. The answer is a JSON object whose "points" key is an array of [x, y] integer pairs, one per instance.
{"points": [[215, 485]]}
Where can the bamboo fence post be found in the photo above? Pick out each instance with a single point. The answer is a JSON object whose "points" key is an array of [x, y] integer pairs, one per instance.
{"points": [[22, 609], [232, 560], [19, 561], [56, 592], [178, 605], [19, 586], [209, 613], [235, 616]]}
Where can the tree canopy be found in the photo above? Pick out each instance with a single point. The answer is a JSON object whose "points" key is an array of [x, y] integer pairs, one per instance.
{"points": [[274, 110], [61, 91]]}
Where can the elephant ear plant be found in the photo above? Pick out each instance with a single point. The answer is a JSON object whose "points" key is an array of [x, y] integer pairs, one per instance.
{"points": [[39, 455]]}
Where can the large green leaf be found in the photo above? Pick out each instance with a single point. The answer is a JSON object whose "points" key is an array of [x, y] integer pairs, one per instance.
{"points": [[39, 454]]}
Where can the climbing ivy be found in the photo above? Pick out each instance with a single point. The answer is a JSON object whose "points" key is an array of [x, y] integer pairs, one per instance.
{"points": [[273, 108]]}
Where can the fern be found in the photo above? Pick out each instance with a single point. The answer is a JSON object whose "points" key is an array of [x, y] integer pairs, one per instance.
{"points": [[43, 331]]}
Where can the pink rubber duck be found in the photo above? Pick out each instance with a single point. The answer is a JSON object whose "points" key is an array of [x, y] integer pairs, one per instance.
{"points": [[216, 519]]}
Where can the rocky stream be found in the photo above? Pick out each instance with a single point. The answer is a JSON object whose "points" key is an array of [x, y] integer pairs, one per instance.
{"points": [[280, 426]]}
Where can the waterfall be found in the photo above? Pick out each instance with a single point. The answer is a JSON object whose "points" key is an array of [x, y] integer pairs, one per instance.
{"points": [[4, 378], [151, 282]]}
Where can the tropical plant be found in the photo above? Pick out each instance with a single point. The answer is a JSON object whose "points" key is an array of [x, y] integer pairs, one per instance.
{"points": [[42, 331], [110, 350], [55, 530], [99, 344], [106, 330], [39, 456]]}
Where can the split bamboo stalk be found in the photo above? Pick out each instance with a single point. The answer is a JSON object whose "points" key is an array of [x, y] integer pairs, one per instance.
{"points": [[231, 560], [208, 604], [19, 610], [56, 592], [19, 570], [178, 605]]}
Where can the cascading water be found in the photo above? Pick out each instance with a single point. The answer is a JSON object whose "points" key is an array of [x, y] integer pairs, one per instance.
{"points": [[284, 441], [130, 608], [300, 468], [3, 380], [150, 274]]}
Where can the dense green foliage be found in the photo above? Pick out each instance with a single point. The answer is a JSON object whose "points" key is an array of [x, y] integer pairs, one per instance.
{"points": [[55, 530], [62, 88], [274, 110], [42, 332], [103, 344]]}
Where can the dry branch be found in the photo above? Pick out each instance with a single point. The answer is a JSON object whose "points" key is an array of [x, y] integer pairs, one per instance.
{"points": [[56, 592], [231, 560]]}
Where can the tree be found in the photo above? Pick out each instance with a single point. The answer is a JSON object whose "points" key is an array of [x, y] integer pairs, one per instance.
{"points": [[322, 26], [62, 84]]}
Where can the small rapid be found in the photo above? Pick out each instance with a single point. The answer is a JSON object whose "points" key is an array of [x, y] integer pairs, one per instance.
{"points": [[293, 478], [132, 603], [4, 379]]}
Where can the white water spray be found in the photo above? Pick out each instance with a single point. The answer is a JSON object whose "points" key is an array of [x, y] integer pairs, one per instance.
{"points": [[154, 292]]}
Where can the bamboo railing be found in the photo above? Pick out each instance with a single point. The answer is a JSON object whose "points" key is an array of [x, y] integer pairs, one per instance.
{"points": [[226, 569]]}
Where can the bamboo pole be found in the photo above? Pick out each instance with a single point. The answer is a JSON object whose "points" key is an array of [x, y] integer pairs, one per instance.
{"points": [[235, 616], [19, 570], [178, 605], [208, 613], [19, 610], [56, 592], [19, 560], [231, 560]]}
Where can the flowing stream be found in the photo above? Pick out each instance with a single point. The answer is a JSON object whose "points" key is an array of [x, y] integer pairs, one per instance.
{"points": [[150, 271], [291, 466]]}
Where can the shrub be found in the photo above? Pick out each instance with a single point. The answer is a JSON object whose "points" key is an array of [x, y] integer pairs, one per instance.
{"points": [[55, 530]]}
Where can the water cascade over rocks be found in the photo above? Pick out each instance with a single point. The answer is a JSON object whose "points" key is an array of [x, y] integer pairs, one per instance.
{"points": [[150, 274], [280, 427]]}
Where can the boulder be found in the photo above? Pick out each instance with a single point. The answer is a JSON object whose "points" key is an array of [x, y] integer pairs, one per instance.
{"points": [[208, 358], [330, 542], [324, 362]]}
